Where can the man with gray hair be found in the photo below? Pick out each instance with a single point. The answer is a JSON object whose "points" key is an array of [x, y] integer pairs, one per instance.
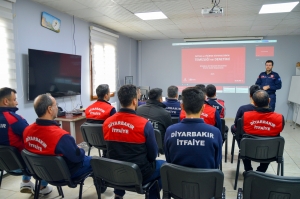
{"points": [[172, 103], [261, 122], [52, 139], [99, 111]]}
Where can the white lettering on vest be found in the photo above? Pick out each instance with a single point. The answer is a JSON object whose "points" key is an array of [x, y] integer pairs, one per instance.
{"points": [[2, 126]]}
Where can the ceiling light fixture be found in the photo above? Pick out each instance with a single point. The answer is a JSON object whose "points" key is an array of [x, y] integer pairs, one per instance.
{"points": [[278, 7], [151, 15]]}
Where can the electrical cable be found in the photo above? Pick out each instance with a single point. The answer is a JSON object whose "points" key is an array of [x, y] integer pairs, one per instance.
{"points": [[74, 34]]}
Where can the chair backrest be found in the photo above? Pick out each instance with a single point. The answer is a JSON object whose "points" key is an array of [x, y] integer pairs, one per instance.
{"points": [[175, 120], [223, 125], [52, 169], [266, 186], [93, 135], [262, 148], [159, 140], [11, 159], [239, 129], [118, 174], [185, 182]]}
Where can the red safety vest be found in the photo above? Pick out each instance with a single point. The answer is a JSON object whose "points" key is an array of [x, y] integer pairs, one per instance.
{"points": [[125, 127], [42, 139], [208, 115], [98, 111], [262, 124]]}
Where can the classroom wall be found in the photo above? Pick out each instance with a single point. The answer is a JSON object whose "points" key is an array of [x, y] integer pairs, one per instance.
{"points": [[161, 67], [30, 34]]}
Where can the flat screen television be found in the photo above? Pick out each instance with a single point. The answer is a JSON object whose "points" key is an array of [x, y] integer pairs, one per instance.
{"points": [[56, 73]]}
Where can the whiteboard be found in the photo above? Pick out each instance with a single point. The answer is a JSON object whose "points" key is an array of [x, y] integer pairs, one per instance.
{"points": [[294, 95]]}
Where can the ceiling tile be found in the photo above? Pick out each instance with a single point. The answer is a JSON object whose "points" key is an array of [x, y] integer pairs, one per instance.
{"points": [[65, 5], [84, 13], [96, 3], [141, 7], [101, 20]]}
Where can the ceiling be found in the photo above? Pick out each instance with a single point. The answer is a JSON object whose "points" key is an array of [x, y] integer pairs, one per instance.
{"points": [[185, 20]]}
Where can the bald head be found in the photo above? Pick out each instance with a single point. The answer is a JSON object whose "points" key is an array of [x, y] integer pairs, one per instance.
{"points": [[261, 99], [45, 106]]}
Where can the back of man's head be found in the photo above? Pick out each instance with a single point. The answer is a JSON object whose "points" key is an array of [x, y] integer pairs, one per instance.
{"points": [[172, 92], [126, 94], [102, 90], [210, 90], [41, 104], [201, 87], [155, 94], [5, 92], [193, 100], [253, 89], [261, 98]]}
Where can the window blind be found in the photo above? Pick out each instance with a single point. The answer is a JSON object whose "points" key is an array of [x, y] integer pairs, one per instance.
{"points": [[7, 49], [103, 46]]}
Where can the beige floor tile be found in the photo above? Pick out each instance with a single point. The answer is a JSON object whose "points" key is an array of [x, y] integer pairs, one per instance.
{"points": [[6, 193]]}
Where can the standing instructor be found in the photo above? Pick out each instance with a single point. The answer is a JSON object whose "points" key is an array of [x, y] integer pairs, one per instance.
{"points": [[270, 82]]}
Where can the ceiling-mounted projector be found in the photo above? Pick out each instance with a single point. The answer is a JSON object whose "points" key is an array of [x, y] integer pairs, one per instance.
{"points": [[212, 12]]}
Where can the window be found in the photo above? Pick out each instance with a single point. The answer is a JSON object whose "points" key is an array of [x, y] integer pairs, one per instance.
{"points": [[103, 59], [7, 49]]}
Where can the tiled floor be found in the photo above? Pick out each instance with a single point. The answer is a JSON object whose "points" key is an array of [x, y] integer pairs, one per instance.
{"points": [[10, 184]]}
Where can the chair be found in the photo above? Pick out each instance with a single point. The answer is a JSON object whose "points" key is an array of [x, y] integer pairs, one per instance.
{"points": [[120, 175], [175, 120], [159, 141], [261, 149], [10, 160], [182, 182], [266, 186], [54, 170], [236, 137], [224, 133], [93, 135]]}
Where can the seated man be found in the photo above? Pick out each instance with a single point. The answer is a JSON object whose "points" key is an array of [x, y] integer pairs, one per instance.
{"points": [[261, 122], [172, 104], [99, 111], [11, 134], [245, 108], [53, 139], [218, 104], [192, 143], [154, 110], [140, 102], [136, 143], [209, 114]]}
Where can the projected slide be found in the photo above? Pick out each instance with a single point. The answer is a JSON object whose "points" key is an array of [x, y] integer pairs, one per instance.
{"points": [[213, 65], [264, 51]]}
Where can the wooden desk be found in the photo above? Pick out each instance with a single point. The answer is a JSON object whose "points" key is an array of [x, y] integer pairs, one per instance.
{"points": [[72, 124]]}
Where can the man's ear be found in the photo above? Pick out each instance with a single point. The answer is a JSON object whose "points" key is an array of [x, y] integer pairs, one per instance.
{"points": [[181, 105]]}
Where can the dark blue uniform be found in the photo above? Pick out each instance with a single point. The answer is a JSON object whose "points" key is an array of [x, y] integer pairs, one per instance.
{"points": [[173, 106], [274, 81]]}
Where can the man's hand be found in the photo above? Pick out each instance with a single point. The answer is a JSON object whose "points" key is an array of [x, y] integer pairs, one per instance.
{"points": [[266, 87]]}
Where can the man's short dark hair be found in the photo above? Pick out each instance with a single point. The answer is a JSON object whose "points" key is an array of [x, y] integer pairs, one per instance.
{"points": [[172, 91], [102, 90], [6, 92], [193, 100], [270, 61], [41, 104], [253, 89], [210, 90], [261, 98], [201, 87], [126, 94], [155, 93]]}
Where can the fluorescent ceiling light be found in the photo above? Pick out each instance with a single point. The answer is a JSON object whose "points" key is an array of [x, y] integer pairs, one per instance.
{"points": [[278, 7], [151, 15]]}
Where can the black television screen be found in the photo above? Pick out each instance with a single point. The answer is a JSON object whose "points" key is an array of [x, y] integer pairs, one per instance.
{"points": [[56, 73]]}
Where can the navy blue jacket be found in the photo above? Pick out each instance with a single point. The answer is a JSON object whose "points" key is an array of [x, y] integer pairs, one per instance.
{"points": [[192, 143], [272, 79], [173, 106]]}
